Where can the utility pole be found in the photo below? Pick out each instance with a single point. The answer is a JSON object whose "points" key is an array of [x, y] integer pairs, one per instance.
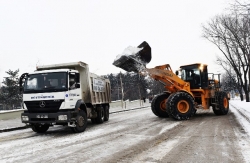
{"points": [[118, 92], [121, 89], [139, 89]]}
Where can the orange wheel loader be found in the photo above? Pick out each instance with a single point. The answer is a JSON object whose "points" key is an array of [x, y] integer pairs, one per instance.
{"points": [[185, 94]]}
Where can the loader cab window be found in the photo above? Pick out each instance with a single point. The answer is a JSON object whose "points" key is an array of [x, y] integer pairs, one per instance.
{"points": [[192, 76], [189, 74], [183, 75]]}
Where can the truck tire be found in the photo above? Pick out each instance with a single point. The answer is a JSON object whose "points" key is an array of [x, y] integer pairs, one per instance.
{"points": [[40, 128], [222, 105], [100, 115], [106, 113], [81, 122], [158, 105], [93, 120], [180, 106]]}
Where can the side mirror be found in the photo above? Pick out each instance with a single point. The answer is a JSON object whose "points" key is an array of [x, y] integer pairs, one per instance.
{"points": [[77, 77], [77, 85], [23, 76], [177, 72]]}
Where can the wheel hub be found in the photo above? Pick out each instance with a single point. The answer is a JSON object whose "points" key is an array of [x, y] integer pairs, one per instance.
{"points": [[163, 105], [225, 103], [80, 121], [183, 106]]}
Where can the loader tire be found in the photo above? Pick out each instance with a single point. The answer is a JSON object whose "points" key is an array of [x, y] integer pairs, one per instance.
{"points": [[158, 105], [180, 106], [216, 111], [40, 128], [81, 122], [222, 105]]}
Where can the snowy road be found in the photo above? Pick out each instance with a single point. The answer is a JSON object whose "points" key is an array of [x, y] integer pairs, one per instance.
{"points": [[134, 136]]}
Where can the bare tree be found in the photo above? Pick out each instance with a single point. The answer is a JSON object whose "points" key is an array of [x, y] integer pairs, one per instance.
{"points": [[230, 81], [231, 34]]}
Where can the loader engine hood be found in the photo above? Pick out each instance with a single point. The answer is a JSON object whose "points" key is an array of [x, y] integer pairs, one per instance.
{"points": [[134, 58]]}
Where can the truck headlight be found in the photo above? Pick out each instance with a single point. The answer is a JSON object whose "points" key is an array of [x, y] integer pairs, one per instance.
{"points": [[25, 118], [62, 117]]}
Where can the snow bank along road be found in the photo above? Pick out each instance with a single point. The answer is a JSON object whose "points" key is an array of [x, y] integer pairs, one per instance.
{"points": [[134, 136]]}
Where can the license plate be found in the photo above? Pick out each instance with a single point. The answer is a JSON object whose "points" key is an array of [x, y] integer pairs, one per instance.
{"points": [[42, 116]]}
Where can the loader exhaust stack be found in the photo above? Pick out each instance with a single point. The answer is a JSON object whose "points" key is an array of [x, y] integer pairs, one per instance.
{"points": [[134, 59]]}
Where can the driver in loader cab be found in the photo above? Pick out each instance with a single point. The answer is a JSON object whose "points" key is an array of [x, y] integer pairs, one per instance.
{"points": [[195, 77]]}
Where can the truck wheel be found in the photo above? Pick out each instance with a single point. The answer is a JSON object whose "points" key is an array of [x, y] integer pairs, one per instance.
{"points": [[106, 113], [93, 120], [158, 105], [100, 115], [180, 106], [81, 122], [40, 128], [222, 105]]}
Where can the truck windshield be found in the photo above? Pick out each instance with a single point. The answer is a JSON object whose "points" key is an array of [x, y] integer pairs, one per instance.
{"points": [[46, 82]]}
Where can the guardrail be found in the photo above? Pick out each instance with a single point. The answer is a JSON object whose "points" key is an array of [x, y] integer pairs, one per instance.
{"points": [[114, 106], [10, 114]]}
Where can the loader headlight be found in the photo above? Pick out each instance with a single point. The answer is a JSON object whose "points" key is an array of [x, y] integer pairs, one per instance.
{"points": [[62, 117], [25, 118], [201, 67]]}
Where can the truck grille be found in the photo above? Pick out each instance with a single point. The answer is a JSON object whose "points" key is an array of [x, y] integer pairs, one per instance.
{"points": [[45, 106]]}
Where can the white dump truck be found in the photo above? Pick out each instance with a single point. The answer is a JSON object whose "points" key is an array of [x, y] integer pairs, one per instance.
{"points": [[64, 94]]}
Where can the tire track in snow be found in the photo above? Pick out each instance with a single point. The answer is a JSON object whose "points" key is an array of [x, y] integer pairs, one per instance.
{"points": [[241, 113]]}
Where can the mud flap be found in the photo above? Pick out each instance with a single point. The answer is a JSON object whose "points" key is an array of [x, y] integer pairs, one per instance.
{"points": [[135, 62]]}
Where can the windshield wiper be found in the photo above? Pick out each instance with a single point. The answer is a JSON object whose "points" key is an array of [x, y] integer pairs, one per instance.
{"points": [[51, 87], [32, 90]]}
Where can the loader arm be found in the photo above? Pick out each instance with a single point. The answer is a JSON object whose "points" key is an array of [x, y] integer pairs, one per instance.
{"points": [[135, 60], [171, 82]]}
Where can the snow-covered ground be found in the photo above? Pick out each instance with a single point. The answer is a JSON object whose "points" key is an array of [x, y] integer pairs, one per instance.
{"points": [[139, 136], [116, 106], [241, 110]]}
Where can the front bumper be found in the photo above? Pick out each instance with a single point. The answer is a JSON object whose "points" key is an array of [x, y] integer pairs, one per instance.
{"points": [[48, 118]]}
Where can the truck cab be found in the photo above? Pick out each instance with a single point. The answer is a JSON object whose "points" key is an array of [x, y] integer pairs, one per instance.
{"points": [[57, 89]]}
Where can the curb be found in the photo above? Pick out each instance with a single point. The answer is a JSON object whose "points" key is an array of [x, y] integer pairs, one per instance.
{"points": [[13, 129], [24, 127], [128, 110]]}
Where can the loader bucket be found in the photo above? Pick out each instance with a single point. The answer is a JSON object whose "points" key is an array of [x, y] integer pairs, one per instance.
{"points": [[135, 62]]}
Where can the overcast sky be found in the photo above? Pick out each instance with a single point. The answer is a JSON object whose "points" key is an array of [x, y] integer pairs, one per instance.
{"points": [[96, 31]]}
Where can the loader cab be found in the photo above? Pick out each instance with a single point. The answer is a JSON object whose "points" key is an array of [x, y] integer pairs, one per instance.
{"points": [[196, 75]]}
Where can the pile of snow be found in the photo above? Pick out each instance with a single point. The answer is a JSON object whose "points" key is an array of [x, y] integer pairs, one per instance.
{"points": [[130, 50]]}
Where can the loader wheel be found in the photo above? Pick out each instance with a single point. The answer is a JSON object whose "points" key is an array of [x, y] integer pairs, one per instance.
{"points": [[216, 111], [81, 122], [158, 105], [180, 106], [222, 105], [106, 113], [40, 128]]}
